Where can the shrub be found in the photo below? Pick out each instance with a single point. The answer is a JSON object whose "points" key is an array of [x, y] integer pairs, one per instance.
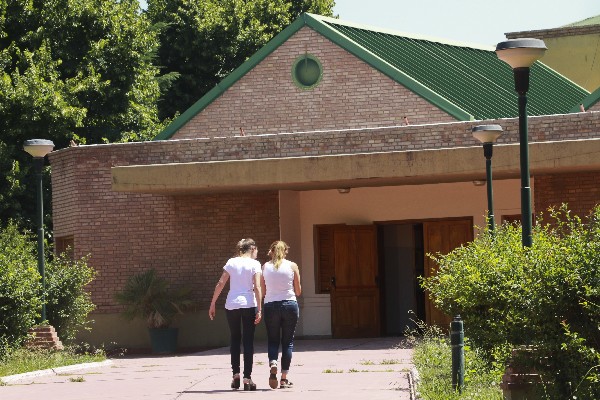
{"points": [[20, 302], [67, 302], [546, 296], [148, 296]]}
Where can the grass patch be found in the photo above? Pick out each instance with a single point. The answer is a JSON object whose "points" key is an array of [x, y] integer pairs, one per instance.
{"points": [[77, 379], [367, 362], [433, 360], [389, 362], [333, 371], [28, 360]]}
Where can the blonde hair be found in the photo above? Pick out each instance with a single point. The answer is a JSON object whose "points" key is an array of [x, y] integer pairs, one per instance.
{"points": [[278, 251]]}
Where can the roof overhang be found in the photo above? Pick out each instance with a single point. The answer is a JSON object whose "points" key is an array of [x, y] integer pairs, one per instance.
{"points": [[354, 170]]}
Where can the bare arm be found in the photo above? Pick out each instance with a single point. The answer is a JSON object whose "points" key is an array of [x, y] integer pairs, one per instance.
{"points": [[297, 285], [263, 285], [218, 289], [258, 294]]}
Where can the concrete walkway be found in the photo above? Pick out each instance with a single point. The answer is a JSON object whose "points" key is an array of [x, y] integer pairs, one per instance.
{"points": [[374, 369]]}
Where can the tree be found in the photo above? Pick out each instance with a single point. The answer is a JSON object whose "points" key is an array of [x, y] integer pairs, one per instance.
{"points": [[71, 69], [201, 42]]}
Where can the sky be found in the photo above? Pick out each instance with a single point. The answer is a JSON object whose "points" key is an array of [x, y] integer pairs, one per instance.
{"points": [[480, 22]]}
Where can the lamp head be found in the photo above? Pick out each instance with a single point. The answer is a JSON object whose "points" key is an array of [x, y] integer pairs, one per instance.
{"points": [[520, 53], [38, 148], [487, 133]]}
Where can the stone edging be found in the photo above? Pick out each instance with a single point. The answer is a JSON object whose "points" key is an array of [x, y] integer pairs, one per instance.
{"points": [[50, 371]]}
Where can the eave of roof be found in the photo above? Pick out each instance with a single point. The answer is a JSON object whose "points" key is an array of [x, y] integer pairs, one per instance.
{"points": [[589, 101], [595, 20]]}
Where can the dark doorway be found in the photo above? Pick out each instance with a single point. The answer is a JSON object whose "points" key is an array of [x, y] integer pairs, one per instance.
{"points": [[401, 263]]}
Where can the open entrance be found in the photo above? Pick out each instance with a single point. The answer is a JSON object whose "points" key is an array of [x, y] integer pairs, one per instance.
{"points": [[401, 263], [372, 273], [403, 249]]}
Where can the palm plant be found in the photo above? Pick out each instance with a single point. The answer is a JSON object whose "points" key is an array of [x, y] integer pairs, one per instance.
{"points": [[148, 296]]}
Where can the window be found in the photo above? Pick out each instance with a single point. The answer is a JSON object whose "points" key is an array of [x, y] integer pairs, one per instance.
{"points": [[65, 244], [307, 71]]}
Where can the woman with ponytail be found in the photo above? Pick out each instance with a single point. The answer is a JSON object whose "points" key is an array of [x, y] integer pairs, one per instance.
{"points": [[242, 307], [281, 284]]}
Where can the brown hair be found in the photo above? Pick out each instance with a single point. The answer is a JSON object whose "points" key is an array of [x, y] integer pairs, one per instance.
{"points": [[245, 245], [278, 251]]}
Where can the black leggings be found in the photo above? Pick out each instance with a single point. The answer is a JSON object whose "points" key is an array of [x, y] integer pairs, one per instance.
{"points": [[241, 327]]}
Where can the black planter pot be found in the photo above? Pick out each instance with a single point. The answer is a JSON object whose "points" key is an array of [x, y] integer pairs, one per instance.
{"points": [[163, 340]]}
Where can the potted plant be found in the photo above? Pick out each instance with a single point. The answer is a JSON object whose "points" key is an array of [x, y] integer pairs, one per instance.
{"points": [[148, 296]]}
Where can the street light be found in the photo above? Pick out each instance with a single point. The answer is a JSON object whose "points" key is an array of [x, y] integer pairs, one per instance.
{"points": [[520, 54], [38, 148], [488, 134]]}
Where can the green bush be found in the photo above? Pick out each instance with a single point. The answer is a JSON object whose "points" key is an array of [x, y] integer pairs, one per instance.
{"points": [[20, 302], [67, 302], [546, 296]]}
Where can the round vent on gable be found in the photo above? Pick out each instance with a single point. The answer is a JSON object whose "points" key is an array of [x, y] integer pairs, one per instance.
{"points": [[307, 71]]}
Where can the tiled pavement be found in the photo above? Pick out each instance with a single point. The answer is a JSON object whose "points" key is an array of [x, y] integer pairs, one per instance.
{"points": [[348, 369]]}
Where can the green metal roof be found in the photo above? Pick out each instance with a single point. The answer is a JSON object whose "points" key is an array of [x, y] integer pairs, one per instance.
{"points": [[586, 22], [468, 82], [588, 101]]}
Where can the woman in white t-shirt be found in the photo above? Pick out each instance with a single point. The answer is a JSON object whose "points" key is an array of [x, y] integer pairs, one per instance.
{"points": [[242, 307], [281, 284]]}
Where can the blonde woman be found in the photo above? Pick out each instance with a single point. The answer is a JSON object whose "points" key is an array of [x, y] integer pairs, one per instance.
{"points": [[280, 283], [242, 307]]}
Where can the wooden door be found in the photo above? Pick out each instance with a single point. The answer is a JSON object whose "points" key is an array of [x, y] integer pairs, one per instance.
{"points": [[354, 289], [442, 237]]}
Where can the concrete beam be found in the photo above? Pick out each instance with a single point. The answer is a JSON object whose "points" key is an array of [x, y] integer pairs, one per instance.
{"points": [[354, 170]]}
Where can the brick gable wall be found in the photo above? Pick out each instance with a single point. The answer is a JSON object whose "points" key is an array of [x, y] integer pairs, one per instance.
{"points": [[351, 94]]}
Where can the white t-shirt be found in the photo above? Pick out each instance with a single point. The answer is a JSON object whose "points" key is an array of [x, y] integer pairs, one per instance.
{"points": [[241, 271], [279, 282]]}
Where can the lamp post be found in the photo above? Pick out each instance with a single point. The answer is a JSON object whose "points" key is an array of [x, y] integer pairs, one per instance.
{"points": [[520, 54], [488, 134], [38, 148]]}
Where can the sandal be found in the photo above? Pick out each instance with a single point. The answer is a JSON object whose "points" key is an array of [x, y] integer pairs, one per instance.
{"points": [[273, 376], [235, 382], [285, 384], [249, 385]]}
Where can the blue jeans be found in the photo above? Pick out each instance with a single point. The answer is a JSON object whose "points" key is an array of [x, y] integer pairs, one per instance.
{"points": [[241, 328], [281, 318]]}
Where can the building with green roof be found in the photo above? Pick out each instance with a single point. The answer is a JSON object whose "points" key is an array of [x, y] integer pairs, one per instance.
{"points": [[466, 82], [352, 144]]}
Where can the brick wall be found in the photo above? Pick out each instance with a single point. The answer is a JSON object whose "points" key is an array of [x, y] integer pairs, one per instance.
{"points": [[581, 191], [397, 138], [351, 94], [189, 238]]}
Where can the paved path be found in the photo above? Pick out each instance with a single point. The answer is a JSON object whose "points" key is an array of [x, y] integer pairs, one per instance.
{"points": [[349, 369]]}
